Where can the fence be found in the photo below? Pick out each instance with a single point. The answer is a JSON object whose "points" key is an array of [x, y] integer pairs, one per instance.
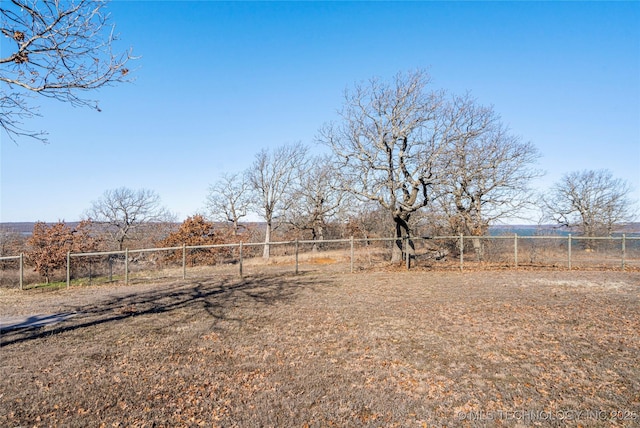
{"points": [[438, 252], [4, 261]]}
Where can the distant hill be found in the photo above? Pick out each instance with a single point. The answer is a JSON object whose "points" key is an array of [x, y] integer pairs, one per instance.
{"points": [[550, 229], [630, 228], [25, 228]]}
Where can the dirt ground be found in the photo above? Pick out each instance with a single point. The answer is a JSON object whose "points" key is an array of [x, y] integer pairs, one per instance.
{"points": [[375, 348]]}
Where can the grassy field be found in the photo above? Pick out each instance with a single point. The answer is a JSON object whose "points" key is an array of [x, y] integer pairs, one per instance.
{"points": [[376, 348]]}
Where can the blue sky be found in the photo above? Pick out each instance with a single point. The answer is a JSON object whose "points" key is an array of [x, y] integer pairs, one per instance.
{"points": [[216, 82]]}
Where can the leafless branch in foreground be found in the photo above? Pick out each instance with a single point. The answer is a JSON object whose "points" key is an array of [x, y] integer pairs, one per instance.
{"points": [[55, 49]]}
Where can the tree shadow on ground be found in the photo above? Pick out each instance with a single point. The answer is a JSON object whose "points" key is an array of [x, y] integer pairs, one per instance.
{"points": [[215, 296]]}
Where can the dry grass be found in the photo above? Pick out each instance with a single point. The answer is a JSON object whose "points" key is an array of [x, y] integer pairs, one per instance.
{"points": [[329, 349]]}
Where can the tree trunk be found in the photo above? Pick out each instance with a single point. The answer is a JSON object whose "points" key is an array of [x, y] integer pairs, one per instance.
{"points": [[396, 253], [402, 223], [478, 248], [317, 234], [267, 239]]}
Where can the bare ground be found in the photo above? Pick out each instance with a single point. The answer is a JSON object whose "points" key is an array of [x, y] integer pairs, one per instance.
{"points": [[376, 348]]}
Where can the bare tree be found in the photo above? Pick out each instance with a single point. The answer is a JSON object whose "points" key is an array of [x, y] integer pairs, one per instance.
{"points": [[123, 210], [318, 197], [272, 177], [485, 173], [228, 199], [58, 49], [388, 141], [591, 200]]}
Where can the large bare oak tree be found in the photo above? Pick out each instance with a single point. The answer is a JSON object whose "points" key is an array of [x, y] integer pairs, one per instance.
{"points": [[485, 172], [387, 142], [58, 49]]}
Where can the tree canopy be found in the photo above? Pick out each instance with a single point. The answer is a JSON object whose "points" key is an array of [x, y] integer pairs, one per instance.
{"points": [[591, 200]]}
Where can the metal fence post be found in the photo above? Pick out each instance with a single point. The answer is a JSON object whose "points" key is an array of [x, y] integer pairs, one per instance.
{"points": [[126, 266], [515, 249], [296, 256], [68, 268], [624, 250], [351, 261], [184, 261], [569, 251], [461, 252], [240, 262], [21, 270], [406, 252]]}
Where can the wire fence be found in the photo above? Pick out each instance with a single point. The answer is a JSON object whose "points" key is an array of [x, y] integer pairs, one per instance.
{"points": [[340, 255]]}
